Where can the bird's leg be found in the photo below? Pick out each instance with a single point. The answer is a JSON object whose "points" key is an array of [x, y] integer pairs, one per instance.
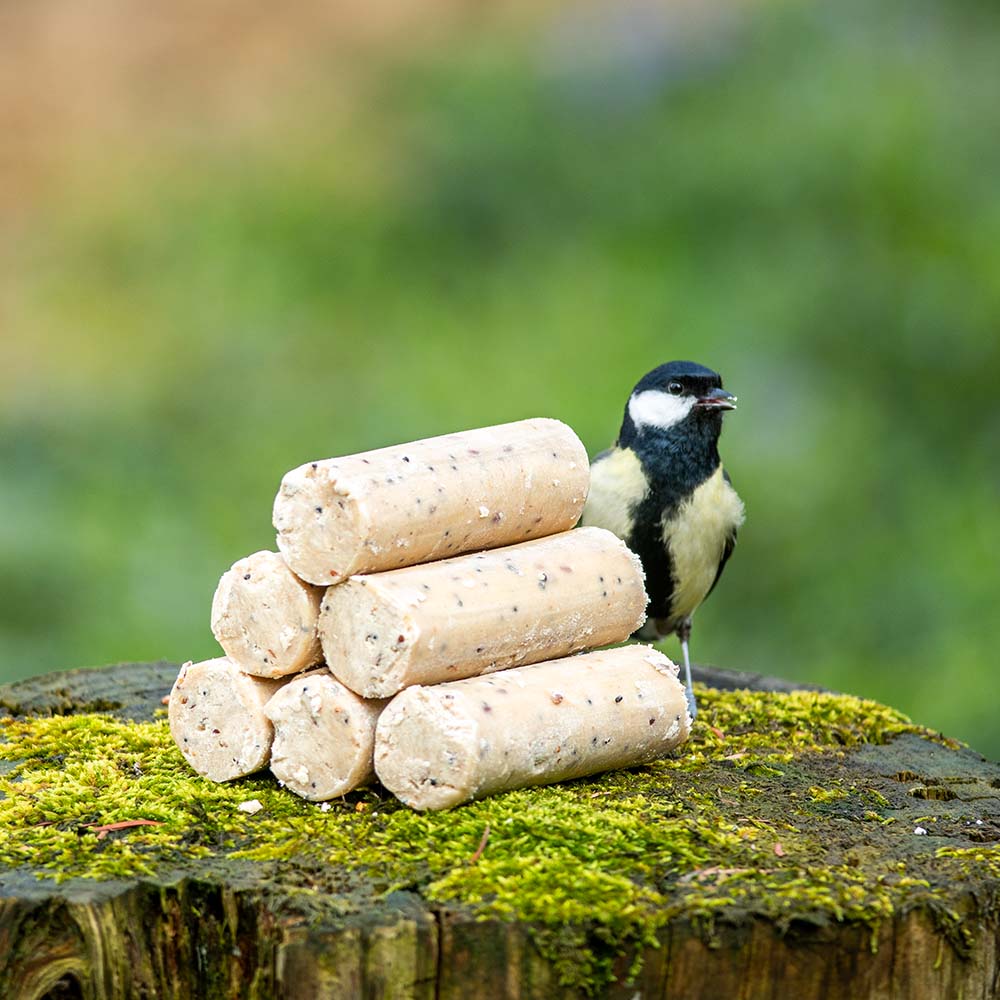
{"points": [[684, 634]]}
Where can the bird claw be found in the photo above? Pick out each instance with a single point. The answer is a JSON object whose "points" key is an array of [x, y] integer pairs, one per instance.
{"points": [[691, 703], [685, 633]]}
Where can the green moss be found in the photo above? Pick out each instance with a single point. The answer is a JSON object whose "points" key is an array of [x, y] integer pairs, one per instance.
{"points": [[595, 866], [826, 794], [974, 860]]}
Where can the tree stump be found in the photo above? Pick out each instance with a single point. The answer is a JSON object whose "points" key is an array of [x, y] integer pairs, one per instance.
{"points": [[802, 844]]}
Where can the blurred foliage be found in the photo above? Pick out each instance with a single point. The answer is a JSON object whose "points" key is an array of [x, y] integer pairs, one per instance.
{"points": [[522, 223]]}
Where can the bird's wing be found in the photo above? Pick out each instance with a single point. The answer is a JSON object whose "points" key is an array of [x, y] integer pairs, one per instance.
{"points": [[728, 545], [727, 551]]}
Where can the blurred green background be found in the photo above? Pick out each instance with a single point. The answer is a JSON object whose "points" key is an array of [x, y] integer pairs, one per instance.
{"points": [[237, 240]]}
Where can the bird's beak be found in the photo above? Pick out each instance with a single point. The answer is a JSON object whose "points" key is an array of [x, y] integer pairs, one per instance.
{"points": [[717, 399]]}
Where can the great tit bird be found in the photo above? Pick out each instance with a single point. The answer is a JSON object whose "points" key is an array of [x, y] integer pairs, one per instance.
{"points": [[661, 488]]}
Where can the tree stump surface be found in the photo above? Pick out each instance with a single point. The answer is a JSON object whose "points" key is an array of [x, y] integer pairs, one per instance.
{"points": [[802, 844]]}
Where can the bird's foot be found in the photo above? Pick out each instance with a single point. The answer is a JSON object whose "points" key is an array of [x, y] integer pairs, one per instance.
{"points": [[656, 629], [688, 684], [691, 703]]}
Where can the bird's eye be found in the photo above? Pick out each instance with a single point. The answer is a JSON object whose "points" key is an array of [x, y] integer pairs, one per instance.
{"points": [[675, 388]]}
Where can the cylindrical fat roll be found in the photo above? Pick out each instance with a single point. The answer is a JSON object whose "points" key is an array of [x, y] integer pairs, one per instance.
{"points": [[217, 718], [324, 736], [431, 499], [477, 613], [264, 617], [439, 746]]}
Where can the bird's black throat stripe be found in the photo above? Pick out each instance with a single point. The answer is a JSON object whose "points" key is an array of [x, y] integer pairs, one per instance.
{"points": [[676, 461]]}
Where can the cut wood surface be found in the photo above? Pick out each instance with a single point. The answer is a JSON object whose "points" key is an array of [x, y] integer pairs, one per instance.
{"points": [[801, 844]]}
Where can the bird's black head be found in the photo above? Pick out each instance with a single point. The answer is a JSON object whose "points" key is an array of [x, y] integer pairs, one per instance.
{"points": [[678, 398]]}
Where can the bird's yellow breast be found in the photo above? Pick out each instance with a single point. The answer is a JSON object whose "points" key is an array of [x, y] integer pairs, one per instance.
{"points": [[617, 482], [696, 537]]}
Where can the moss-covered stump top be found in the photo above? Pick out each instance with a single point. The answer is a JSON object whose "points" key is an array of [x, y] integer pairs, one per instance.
{"points": [[791, 820]]}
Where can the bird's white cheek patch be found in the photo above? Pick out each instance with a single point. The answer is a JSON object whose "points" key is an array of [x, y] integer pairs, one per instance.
{"points": [[653, 408]]}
